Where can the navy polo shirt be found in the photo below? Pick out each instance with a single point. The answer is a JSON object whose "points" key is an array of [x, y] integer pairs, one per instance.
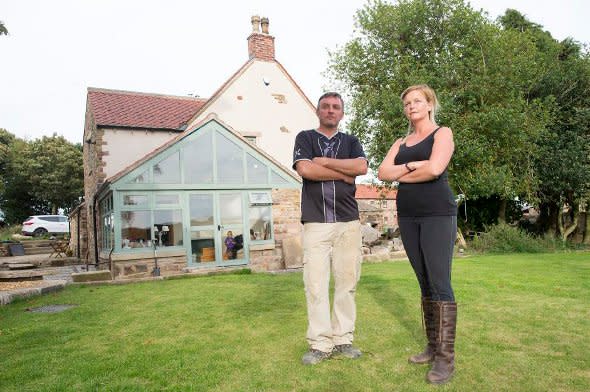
{"points": [[327, 201]]}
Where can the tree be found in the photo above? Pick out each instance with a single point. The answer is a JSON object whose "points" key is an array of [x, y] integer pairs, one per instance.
{"points": [[3, 30], [56, 170], [563, 162], [6, 140], [16, 199], [482, 75], [42, 176]]}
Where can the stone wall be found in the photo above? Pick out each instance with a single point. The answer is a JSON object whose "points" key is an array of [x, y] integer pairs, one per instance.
{"points": [[381, 212], [144, 267], [79, 234], [94, 177]]}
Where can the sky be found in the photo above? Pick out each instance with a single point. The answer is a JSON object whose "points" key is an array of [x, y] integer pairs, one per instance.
{"points": [[56, 49]]}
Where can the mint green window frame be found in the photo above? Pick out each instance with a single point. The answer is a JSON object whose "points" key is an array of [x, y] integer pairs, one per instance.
{"points": [[107, 222], [139, 185], [149, 211]]}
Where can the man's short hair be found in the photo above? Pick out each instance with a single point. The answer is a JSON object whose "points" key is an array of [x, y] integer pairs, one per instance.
{"points": [[331, 94]]}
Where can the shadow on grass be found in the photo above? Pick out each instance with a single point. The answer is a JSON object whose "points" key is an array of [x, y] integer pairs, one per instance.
{"points": [[394, 303]]}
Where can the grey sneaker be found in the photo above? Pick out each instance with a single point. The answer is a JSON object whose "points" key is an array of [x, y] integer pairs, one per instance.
{"points": [[347, 350], [313, 357]]}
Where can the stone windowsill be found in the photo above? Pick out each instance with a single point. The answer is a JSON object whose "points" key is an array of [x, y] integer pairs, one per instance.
{"points": [[143, 254], [267, 246]]}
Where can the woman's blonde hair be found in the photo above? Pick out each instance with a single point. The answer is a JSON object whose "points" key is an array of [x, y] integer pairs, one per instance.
{"points": [[430, 96]]}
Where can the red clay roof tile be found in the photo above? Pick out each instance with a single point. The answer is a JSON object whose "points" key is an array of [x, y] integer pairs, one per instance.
{"points": [[141, 110], [364, 191]]}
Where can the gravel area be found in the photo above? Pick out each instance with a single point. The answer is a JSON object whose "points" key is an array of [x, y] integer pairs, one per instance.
{"points": [[54, 278], [8, 286]]}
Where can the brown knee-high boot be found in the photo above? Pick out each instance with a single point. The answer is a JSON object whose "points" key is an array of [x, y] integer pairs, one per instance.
{"points": [[445, 317], [427, 355]]}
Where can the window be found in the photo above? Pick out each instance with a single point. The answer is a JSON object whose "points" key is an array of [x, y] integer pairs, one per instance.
{"points": [[277, 179], [201, 210], [260, 223], [136, 229], [230, 166], [257, 171], [167, 199], [141, 179], [167, 171], [260, 198], [251, 139], [149, 219], [260, 216], [135, 200], [203, 246], [107, 223], [168, 227], [198, 160], [231, 213]]}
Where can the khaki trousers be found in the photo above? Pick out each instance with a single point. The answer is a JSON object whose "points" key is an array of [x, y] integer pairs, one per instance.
{"points": [[335, 246]]}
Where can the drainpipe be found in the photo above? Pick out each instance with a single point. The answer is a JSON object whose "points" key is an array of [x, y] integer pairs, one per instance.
{"points": [[111, 266], [94, 230], [78, 231]]}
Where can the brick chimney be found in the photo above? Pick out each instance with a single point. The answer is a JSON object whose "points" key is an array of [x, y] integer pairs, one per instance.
{"points": [[261, 45]]}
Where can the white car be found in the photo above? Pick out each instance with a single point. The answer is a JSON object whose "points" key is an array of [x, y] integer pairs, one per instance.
{"points": [[37, 225]]}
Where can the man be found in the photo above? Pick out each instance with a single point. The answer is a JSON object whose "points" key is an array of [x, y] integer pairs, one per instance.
{"points": [[328, 161]]}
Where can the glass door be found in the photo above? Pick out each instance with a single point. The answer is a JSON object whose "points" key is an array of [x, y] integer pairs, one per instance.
{"points": [[231, 227], [202, 229], [216, 229]]}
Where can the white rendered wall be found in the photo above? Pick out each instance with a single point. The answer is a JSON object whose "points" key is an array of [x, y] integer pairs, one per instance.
{"points": [[253, 108], [124, 147]]}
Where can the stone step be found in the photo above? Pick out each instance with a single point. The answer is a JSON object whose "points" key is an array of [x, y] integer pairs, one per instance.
{"points": [[38, 250], [36, 244], [91, 276], [17, 260], [32, 247], [18, 276], [21, 266]]}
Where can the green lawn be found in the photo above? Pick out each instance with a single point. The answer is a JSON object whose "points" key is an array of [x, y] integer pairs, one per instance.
{"points": [[524, 325]]}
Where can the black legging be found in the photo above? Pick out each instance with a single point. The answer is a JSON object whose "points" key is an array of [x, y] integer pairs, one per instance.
{"points": [[429, 242]]}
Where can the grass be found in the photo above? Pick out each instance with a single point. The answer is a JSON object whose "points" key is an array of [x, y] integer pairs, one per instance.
{"points": [[524, 323]]}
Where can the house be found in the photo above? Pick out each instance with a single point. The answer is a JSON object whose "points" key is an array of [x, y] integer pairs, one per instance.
{"points": [[377, 206], [186, 182]]}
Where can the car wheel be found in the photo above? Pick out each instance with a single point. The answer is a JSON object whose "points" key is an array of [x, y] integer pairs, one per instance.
{"points": [[39, 232]]}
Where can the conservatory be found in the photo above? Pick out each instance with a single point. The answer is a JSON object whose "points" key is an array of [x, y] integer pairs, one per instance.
{"points": [[207, 198]]}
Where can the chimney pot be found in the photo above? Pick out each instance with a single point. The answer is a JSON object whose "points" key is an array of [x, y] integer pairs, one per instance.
{"points": [[264, 23], [255, 20]]}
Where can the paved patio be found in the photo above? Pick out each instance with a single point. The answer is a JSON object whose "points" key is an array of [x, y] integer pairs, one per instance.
{"points": [[54, 277]]}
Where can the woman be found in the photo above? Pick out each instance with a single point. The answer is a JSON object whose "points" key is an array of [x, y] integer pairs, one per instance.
{"points": [[427, 217]]}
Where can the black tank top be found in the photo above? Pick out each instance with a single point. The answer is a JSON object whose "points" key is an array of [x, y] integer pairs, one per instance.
{"points": [[431, 198]]}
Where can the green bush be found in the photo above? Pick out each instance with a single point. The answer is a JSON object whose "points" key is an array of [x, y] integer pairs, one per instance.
{"points": [[7, 232], [503, 238]]}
